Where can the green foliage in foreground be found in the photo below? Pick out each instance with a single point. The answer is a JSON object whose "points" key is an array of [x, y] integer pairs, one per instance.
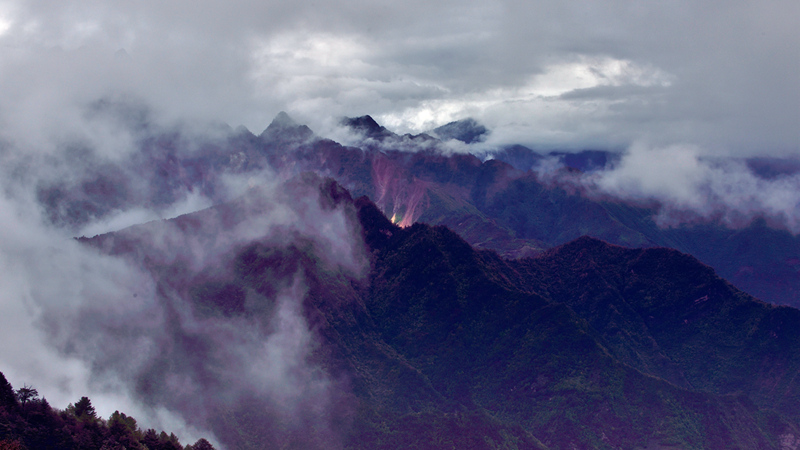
{"points": [[29, 422]]}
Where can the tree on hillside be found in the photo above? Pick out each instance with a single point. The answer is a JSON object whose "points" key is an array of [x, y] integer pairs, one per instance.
{"points": [[7, 397], [84, 409], [202, 444], [169, 441], [150, 439], [123, 431], [26, 394], [29, 422]]}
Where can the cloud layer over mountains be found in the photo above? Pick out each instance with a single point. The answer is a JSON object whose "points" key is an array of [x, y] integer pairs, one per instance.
{"points": [[686, 185], [690, 78], [690, 187], [715, 74]]}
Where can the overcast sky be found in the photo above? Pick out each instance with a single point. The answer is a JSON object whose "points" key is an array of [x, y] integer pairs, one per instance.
{"points": [[721, 75]]}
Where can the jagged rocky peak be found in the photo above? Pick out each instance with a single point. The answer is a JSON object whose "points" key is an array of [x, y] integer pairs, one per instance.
{"points": [[242, 130], [282, 120], [466, 130], [284, 127], [366, 123], [368, 127]]}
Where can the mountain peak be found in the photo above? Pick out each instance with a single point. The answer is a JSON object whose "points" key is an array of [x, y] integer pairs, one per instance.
{"points": [[365, 122], [283, 127], [582, 245], [466, 130], [367, 126], [284, 120]]}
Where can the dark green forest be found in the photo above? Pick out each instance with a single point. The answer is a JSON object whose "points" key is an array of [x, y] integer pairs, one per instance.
{"points": [[27, 421]]}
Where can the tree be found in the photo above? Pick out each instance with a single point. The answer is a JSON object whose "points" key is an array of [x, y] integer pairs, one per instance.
{"points": [[84, 409], [26, 393], [123, 431], [7, 397], [150, 439], [169, 442], [202, 444]]}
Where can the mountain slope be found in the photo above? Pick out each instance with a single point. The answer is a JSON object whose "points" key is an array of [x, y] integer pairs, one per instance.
{"points": [[529, 357], [490, 203], [716, 338], [439, 345]]}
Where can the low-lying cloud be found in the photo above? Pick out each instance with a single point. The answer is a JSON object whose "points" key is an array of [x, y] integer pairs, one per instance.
{"points": [[80, 321], [47, 277], [687, 185]]}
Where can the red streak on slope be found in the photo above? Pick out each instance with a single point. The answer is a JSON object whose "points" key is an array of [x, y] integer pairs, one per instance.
{"points": [[414, 197], [397, 193]]}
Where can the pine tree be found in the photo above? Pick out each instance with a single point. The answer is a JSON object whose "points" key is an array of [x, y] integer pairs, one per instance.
{"points": [[7, 398]]}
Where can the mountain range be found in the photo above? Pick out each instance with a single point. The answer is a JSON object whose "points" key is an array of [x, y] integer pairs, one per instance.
{"points": [[394, 293], [441, 345], [493, 200]]}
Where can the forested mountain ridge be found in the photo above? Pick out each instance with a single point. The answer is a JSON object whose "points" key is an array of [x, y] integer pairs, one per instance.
{"points": [[517, 350], [438, 344]]}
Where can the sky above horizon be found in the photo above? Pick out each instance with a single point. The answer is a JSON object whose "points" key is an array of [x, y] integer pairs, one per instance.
{"points": [[722, 76]]}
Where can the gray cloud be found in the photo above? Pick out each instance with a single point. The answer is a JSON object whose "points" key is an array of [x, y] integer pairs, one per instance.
{"points": [[44, 274], [685, 184], [81, 322], [690, 186], [715, 74]]}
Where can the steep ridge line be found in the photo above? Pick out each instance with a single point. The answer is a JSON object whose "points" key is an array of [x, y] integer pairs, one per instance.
{"points": [[589, 344]]}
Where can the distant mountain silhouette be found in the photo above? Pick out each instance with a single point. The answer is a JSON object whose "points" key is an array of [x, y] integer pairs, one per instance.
{"points": [[526, 159], [284, 129], [467, 130], [367, 126]]}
